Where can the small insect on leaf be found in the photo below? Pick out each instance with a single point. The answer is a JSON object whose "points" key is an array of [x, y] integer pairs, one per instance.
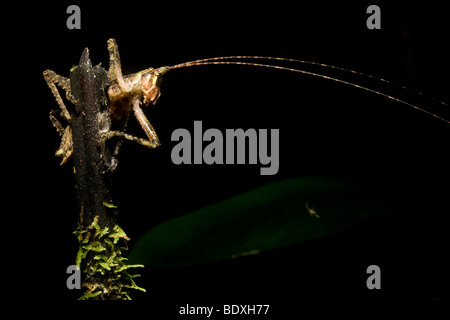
{"points": [[311, 211]]}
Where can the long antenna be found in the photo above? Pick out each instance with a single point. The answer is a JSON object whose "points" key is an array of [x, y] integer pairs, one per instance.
{"points": [[324, 65], [216, 61]]}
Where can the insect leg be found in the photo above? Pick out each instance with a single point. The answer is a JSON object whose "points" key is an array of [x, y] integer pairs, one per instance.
{"points": [[115, 68], [119, 143], [56, 122], [130, 137], [66, 147], [52, 79], [145, 124]]}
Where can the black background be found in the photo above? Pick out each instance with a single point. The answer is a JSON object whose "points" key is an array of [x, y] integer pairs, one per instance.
{"points": [[326, 129]]}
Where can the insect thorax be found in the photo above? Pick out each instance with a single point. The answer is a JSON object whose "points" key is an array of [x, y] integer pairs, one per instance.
{"points": [[142, 86]]}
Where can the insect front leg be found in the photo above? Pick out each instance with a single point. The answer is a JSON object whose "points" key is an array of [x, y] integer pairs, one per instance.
{"points": [[145, 124], [153, 141], [53, 79], [130, 137]]}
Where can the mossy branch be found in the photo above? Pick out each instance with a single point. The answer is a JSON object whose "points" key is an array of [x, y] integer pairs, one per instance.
{"points": [[101, 241]]}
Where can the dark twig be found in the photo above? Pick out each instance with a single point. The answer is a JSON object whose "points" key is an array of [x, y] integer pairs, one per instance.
{"points": [[92, 156]]}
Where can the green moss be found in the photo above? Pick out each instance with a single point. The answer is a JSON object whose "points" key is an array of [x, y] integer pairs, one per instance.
{"points": [[104, 269]]}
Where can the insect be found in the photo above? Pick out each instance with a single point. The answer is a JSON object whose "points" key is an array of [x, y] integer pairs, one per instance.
{"points": [[127, 94], [311, 211]]}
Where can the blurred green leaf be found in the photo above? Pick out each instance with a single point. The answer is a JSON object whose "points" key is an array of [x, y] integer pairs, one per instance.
{"points": [[267, 217]]}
